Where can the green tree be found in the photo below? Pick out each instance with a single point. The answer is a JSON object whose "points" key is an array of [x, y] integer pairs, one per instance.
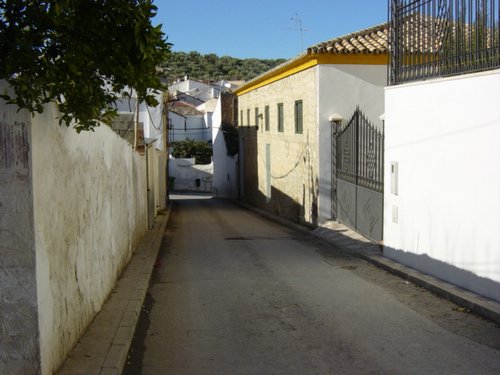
{"points": [[201, 151], [212, 68], [80, 54]]}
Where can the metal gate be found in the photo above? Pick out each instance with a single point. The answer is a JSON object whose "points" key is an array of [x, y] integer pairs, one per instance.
{"points": [[358, 175]]}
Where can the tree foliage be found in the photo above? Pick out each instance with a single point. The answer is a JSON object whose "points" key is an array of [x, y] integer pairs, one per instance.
{"points": [[231, 138], [211, 67], [81, 54], [200, 150]]}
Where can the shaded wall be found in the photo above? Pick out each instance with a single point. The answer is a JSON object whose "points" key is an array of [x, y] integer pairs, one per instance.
{"points": [[19, 336], [188, 176], [225, 181], [341, 89], [281, 168]]}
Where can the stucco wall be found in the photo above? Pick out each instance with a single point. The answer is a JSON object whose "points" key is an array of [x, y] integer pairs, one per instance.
{"points": [[19, 349], [89, 193], [225, 173], [186, 172], [192, 127], [294, 157], [445, 219], [341, 89]]}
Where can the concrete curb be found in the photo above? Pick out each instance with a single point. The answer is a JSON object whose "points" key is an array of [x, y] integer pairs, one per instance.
{"points": [[354, 244], [480, 305], [103, 348]]}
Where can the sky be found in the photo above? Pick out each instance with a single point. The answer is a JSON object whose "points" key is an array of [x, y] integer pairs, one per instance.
{"points": [[264, 29]]}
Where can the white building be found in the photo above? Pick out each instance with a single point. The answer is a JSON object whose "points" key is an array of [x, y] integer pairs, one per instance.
{"points": [[196, 89], [187, 122], [442, 196]]}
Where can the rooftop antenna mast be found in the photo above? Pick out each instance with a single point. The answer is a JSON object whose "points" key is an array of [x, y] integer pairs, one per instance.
{"points": [[296, 18]]}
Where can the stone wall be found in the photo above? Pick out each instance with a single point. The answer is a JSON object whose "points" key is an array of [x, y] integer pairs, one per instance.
{"points": [[293, 185]]}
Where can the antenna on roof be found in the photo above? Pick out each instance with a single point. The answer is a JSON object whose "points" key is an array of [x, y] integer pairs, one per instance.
{"points": [[298, 21]]}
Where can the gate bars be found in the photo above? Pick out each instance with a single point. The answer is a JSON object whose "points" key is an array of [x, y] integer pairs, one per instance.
{"points": [[439, 38], [360, 153]]}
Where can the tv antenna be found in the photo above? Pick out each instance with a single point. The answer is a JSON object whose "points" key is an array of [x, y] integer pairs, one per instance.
{"points": [[296, 18]]}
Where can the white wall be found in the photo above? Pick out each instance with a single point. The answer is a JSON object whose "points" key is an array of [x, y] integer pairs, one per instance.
{"points": [[225, 175], [192, 127], [445, 220], [151, 117], [185, 172], [341, 89], [89, 192], [195, 89]]}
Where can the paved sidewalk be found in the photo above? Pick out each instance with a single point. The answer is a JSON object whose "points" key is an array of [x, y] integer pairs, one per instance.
{"points": [[103, 349], [355, 244]]}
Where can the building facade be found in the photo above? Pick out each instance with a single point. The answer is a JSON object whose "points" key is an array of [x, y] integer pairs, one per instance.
{"points": [[286, 132]]}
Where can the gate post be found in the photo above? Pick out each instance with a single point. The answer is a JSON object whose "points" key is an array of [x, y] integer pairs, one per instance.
{"points": [[335, 121]]}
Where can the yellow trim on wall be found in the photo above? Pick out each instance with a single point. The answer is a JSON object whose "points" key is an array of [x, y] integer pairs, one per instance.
{"points": [[308, 61]]}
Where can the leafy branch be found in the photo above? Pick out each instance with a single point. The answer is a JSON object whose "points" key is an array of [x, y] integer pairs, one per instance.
{"points": [[80, 54]]}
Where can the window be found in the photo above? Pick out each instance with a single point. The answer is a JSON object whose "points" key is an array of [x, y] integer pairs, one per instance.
{"points": [[241, 117], [298, 117], [256, 117], [248, 117], [281, 118], [266, 118]]}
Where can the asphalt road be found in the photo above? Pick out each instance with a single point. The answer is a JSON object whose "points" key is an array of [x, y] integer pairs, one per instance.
{"points": [[234, 293]]}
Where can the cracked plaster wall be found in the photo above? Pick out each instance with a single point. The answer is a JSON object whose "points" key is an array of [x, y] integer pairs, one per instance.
{"points": [[89, 194]]}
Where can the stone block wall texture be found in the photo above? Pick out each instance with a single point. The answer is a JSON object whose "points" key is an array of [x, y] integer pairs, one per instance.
{"points": [[294, 157], [72, 209]]}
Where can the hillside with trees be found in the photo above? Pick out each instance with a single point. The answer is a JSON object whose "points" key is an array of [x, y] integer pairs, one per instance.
{"points": [[211, 67]]}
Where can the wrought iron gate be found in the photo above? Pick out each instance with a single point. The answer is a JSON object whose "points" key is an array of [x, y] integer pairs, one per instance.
{"points": [[358, 175]]}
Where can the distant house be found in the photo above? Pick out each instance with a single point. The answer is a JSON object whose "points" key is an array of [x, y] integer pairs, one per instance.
{"points": [[187, 122], [202, 99], [208, 108], [442, 128], [288, 132], [201, 90], [150, 120], [197, 89]]}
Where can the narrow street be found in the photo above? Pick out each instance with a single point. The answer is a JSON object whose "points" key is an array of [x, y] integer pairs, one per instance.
{"points": [[234, 293]]}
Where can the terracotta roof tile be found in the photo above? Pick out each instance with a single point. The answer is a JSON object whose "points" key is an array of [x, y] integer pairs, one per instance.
{"points": [[368, 41], [184, 109]]}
